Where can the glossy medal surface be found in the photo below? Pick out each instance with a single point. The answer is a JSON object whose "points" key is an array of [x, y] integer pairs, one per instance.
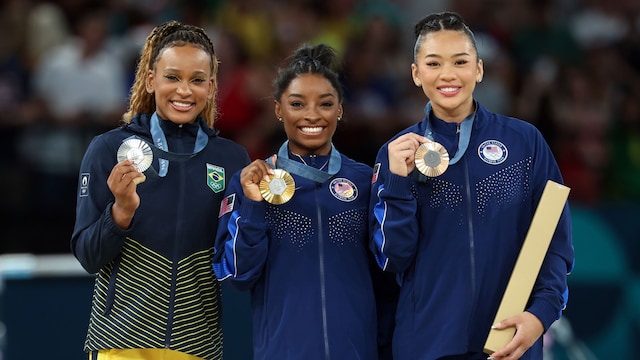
{"points": [[137, 151], [432, 159], [279, 189]]}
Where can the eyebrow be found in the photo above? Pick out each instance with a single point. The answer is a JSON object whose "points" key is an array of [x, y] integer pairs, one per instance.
{"points": [[172, 69], [454, 55], [302, 96]]}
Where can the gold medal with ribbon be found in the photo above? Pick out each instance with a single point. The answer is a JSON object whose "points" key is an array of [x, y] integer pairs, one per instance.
{"points": [[279, 189], [138, 151], [431, 159]]}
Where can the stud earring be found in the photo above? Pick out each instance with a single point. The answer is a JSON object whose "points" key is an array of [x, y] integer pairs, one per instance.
{"points": [[339, 117], [280, 119]]}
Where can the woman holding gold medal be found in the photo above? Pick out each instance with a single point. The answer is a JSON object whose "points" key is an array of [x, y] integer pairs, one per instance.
{"points": [[451, 202], [148, 196], [293, 229]]}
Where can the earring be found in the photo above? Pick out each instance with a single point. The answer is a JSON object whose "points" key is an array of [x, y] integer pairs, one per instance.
{"points": [[280, 119], [339, 117]]}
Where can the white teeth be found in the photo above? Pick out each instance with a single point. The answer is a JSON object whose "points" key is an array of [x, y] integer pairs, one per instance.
{"points": [[311, 130], [181, 104], [449, 89]]}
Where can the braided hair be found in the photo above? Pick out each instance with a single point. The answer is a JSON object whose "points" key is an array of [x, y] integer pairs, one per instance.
{"points": [[441, 21], [169, 34], [313, 59]]}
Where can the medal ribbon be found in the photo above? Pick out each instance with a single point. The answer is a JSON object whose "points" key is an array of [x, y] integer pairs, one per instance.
{"points": [[463, 140], [161, 150], [308, 172]]}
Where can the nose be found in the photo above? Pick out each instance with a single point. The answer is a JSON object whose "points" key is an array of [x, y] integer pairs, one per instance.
{"points": [[312, 114], [184, 89], [448, 72]]}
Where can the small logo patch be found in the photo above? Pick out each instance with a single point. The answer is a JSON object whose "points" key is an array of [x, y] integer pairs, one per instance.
{"points": [[376, 171], [215, 178], [226, 206], [493, 152], [84, 184], [343, 189]]}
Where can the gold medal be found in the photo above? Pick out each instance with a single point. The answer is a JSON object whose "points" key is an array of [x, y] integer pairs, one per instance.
{"points": [[138, 151], [432, 159], [279, 189]]}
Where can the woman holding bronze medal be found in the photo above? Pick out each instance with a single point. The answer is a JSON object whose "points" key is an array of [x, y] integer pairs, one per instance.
{"points": [[451, 202], [148, 197], [294, 231]]}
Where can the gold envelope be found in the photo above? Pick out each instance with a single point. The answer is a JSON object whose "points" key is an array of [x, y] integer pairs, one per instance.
{"points": [[524, 274]]}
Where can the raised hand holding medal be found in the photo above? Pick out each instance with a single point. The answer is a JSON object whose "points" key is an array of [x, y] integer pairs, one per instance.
{"points": [[279, 188], [260, 181], [139, 152], [431, 159]]}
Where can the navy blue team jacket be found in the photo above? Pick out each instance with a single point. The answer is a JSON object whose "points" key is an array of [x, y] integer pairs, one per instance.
{"points": [[154, 285]]}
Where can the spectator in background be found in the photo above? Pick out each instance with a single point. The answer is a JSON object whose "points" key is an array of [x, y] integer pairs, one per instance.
{"points": [[242, 95], [14, 96], [79, 89]]}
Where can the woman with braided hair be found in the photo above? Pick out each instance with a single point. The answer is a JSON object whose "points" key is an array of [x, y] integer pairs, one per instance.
{"points": [[148, 198], [302, 252]]}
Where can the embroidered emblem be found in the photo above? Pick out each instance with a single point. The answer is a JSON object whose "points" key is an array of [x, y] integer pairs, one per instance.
{"points": [[493, 152], [84, 184], [343, 189], [376, 171], [215, 178], [226, 206]]}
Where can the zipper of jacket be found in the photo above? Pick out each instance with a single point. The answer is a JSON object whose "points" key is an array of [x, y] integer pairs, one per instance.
{"points": [[174, 262], [323, 294], [472, 245]]}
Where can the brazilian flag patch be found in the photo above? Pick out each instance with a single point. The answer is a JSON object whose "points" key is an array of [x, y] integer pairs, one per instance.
{"points": [[215, 178]]}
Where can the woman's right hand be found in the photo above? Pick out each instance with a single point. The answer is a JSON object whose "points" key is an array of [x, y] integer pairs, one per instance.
{"points": [[123, 181], [402, 153], [251, 176]]}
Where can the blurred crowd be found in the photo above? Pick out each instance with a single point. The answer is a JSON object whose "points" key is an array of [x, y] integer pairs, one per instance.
{"points": [[571, 67]]}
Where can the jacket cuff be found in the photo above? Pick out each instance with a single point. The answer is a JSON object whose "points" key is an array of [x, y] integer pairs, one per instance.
{"points": [[111, 225], [399, 186], [545, 312], [253, 211]]}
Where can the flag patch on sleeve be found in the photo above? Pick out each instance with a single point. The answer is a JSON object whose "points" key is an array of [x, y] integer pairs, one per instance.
{"points": [[226, 206]]}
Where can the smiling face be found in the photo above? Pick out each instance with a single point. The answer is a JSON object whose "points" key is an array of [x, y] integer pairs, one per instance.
{"points": [[182, 83], [447, 68], [309, 108]]}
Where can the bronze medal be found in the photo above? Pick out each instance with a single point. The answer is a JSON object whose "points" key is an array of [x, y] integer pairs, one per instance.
{"points": [[279, 189], [431, 159], [138, 151]]}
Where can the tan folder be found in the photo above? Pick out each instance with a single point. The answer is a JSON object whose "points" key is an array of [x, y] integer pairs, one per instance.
{"points": [[535, 246]]}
